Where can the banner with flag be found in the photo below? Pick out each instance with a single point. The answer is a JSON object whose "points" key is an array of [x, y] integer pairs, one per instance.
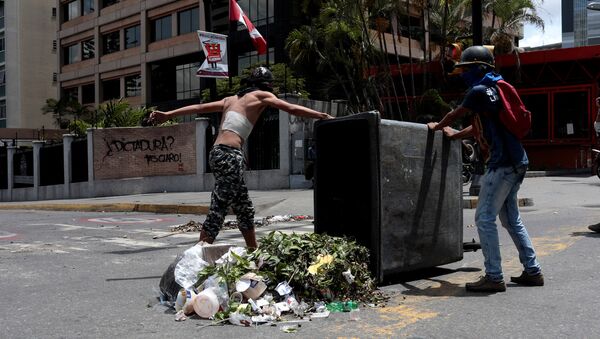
{"points": [[236, 14], [215, 49]]}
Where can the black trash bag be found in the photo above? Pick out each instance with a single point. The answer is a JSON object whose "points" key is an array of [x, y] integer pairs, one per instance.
{"points": [[191, 262], [168, 286]]}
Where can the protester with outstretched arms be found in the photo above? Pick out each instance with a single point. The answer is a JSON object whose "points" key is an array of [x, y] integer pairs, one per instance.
{"points": [[226, 159]]}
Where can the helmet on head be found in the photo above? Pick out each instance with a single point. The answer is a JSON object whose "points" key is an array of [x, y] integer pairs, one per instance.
{"points": [[261, 77], [476, 55]]}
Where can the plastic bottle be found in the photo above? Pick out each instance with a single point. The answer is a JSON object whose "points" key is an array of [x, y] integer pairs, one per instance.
{"points": [[183, 297], [206, 304], [335, 306], [350, 305]]}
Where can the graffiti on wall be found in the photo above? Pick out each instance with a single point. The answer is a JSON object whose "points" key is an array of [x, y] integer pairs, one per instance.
{"points": [[138, 152]]}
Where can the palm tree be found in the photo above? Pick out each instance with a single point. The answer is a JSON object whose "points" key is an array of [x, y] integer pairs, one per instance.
{"points": [[119, 113], [338, 48], [512, 14], [304, 50], [450, 17], [60, 109]]}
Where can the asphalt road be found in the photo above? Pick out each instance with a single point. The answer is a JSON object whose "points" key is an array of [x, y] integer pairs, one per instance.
{"points": [[95, 275]]}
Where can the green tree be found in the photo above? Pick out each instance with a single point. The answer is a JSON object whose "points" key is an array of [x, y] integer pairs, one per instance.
{"points": [[60, 110], [119, 113], [338, 49], [284, 80], [512, 14]]}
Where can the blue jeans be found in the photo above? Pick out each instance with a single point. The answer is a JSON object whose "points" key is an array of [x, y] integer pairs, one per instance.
{"points": [[498, 197]]}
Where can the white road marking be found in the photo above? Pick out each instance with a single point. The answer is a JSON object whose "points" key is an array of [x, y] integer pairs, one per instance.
{"points": [[130, 242], [126, 220]]}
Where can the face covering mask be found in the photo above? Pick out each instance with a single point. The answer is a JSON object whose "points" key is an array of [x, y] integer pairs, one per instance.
{"points": [[471, 77]]}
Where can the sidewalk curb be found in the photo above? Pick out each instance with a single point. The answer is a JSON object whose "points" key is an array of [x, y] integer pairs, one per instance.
{"points": [[116, 207], [468, 203]]}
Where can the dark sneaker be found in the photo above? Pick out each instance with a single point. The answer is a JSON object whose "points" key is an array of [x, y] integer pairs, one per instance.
{"points": [[595, 228], [528, 280], [484, 284]]}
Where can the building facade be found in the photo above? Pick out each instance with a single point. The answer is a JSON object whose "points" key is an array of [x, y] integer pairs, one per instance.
{"points": [[147, 51], [27, 66], [580, 25]]}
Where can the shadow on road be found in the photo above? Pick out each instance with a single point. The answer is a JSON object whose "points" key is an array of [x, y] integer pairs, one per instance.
{"points": [[141, 250], [134, 278], [589, 234], [444, 289]]}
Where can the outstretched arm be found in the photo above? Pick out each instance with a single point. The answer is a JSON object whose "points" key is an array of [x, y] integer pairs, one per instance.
{"points": [[449, 118], [158, 117], [293, 109]]}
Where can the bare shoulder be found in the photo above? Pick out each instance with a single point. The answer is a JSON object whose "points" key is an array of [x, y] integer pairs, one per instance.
{"points": [[264, 95]]}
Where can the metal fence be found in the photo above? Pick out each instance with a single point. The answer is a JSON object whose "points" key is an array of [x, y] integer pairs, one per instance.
{"points": [[23, 167], [51, 160], [79, 160], [3, 168], [263, 143]]}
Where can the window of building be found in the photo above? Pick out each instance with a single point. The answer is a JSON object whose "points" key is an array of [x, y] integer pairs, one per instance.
{"points": [[88, 49], [2, 15], [71, 94], [111, 89], [132, 36], [187, 83], [3, 113], [133, 85], [2, 81], [71, 54], [88, 94], [2, 47], [571, 115], [188, 21], [248, 59], [538, 105], [106, 3], [111, 42], [88, 6], [71, 10], [256, 10], [161, 28]]}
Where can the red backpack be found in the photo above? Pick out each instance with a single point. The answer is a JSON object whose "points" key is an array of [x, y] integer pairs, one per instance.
{"points": [[515, 116]]}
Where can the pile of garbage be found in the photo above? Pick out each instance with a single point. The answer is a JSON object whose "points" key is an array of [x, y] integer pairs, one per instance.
{"points": [[305, 275], [195, 226]]}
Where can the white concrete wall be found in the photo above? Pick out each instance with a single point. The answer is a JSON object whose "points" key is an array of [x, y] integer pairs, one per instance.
{"points": [[30, 62], [281, 178]]}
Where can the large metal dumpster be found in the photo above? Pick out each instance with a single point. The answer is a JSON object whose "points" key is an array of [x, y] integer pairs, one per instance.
{"points": [[393, 186]]}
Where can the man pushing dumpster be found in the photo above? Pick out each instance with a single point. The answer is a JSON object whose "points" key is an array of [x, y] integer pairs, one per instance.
{"points": [[488, 102]]}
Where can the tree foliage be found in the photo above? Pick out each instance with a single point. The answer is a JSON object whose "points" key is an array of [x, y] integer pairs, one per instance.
{"points": [[77, 118], [338, 49], [342, 55], [284, 81]]}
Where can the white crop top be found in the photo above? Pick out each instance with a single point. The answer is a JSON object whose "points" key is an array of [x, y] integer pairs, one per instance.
{"points": [[238, 124]]}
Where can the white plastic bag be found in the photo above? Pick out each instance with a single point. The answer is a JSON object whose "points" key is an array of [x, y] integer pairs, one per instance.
{"points": [[192, 262]]}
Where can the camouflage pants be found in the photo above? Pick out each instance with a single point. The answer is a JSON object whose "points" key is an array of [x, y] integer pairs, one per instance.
{"points": [[227, 164]]}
